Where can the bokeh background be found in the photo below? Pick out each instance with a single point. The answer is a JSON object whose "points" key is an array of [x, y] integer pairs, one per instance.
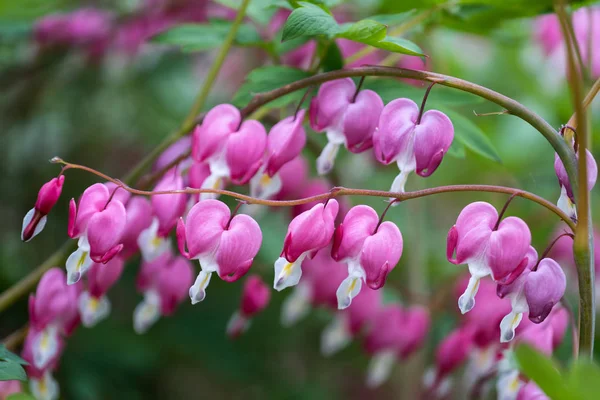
{"points": [[110, 108]]}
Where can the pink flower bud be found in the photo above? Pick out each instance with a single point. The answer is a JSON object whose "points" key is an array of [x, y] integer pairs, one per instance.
{"points": [[453, 351], [49, 194], [139, 218], [307, 233], [347, 118], [245, 151], [487, 251], [285, 142], [416, 321], [413, 146], [381, 252], [566, 202], [50, 301], [210, 137], [544, 288], [173, 283], [222, 244], [92, 200], [531, 391], [104, 232], [255, 296], [168, 207], [101, 277]]}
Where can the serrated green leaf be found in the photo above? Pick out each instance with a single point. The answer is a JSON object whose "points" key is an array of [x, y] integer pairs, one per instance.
{"points": [[309, 20], [269, 78], [584, 380], [543, 371], [364, 30], [472, 136], [199, 37], [20, 396], [10, 371]]}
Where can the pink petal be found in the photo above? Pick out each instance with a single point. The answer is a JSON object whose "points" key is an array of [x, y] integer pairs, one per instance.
{"points": [[105, 229], [380, 254], [508, 247], [210, 137], [361, 119], [359, 223], [331, 101], [238, 247], [285, 142], [204, 226], [396, 126], [433, 137]]}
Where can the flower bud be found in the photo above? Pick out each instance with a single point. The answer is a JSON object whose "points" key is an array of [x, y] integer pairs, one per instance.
{"points": [[566, 202], [35, 219], [255, 297], [544, 288]]}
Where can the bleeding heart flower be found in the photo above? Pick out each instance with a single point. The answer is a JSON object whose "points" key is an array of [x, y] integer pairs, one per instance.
{"points": [[307, 233], [487, 247], [221, 243], [255, 298], [566, 202], [348, 117], [93, 305], [415, 143], [35, 219]]}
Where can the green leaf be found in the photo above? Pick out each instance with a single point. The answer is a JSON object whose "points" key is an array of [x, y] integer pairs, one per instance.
{"points": [[584, 380], [6, 355], [361, 31], [309, 20], [397, 45], [268, 78], [457, 150], [20, 396], [472, 136], [10, 371], [199, 37], [394, 19], [543, 371], [333, 59]]}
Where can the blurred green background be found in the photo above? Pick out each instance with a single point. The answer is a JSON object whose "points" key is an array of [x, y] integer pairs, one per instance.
{"points": [[110, 113]]}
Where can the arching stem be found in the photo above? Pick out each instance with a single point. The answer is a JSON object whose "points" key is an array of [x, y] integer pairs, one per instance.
{"points": [[422, 109]]}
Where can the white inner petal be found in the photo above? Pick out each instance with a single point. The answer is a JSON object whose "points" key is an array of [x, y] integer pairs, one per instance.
{"points": [[78, 263], [297, 305], [151, 245], [287, 273], [566, 205], [380, 368], [38, 228], [45, 347], [335, 336], [147, 312], [45, 388], [198, 290], [92, 310]]}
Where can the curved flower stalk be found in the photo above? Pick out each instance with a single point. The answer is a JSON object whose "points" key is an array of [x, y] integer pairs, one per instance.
{"points": [[222, 243]]}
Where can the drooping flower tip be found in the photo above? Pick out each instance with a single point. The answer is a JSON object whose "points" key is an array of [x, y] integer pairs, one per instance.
{"points": [[255, 296], [35, 219]]}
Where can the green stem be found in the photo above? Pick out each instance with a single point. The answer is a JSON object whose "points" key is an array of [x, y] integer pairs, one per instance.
{"points": [[514, 107], [583, 242]]}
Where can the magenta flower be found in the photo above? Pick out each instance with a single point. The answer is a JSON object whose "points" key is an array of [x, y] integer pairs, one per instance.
{"points": [[415, 144], [104, 231], [255, 298], [35, 219], [566, 202], [167, 208], [370, 250], [221, 243], [172, 153], [487, 247], [284, 143], [233, 149], [139, 218], [41, 383], [534, 291], [9, 387], [417, 322], [307, 233], [383, 342], [348, 119], [93, 305], [531, 391]]}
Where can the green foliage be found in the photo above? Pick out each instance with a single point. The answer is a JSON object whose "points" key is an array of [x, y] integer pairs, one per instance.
{"points": [[268, 78], [470, 135], [20, 396], [199, 37], [11, 366], [313, 20], [580, 382]]}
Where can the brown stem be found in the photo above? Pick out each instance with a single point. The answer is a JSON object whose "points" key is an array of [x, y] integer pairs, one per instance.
{"points": [[385, 212], [547, 250], [510, 199], [360, 83], [339, 191], [422, 109], [13, 340], [512, 106]]}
